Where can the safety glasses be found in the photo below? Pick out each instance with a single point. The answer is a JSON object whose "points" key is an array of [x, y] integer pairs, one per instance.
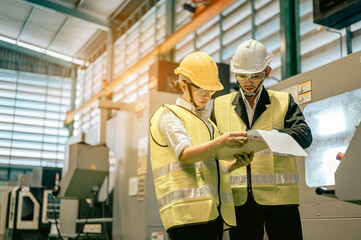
{"points": [[202, 92], [258, 77]]}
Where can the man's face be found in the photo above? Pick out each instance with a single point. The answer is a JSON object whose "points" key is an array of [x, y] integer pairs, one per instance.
{"points": [[250, 82]]}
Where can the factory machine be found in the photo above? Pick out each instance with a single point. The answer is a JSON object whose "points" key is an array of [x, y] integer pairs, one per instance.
{"points": [[86, 200], [24, 212], [27, 209], [330, 190], [82, 212]]}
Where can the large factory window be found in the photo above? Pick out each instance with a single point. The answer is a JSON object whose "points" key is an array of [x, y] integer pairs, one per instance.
{"points": [[32, 110], [333, 121]]}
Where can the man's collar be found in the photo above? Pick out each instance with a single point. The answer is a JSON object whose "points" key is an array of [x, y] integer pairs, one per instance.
{"points": [[237, 98], [264, 98]]}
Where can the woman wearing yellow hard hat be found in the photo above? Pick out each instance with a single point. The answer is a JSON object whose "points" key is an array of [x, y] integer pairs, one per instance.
{"points": [[192, 186]]}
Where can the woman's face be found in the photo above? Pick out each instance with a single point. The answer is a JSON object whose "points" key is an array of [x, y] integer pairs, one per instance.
{"points": [[200, 96]]}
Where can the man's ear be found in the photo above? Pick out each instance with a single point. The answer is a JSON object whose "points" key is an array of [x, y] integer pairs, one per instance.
{"points": [[268, 71]]}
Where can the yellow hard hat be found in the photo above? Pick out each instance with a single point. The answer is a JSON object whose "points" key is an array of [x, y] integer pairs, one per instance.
{"points": [[201, 69]]}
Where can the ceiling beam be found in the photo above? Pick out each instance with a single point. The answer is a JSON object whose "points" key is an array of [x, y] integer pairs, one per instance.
{"points": [[65, 23], [88, 44], [25, 24], [57, 34], [100, 23], [36, 54], [121, 8]]}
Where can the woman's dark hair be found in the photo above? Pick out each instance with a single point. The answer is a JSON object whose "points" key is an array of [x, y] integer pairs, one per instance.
{"points": [[176, 85]]}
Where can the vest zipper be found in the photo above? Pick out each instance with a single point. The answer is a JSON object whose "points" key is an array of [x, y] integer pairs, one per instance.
{"points": [[249, 178], [219, 183], [249, 182], [219, 177]]}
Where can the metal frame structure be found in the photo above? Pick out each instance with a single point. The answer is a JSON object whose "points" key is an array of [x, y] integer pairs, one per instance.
{"points": [[100, 23], [290, 38]]}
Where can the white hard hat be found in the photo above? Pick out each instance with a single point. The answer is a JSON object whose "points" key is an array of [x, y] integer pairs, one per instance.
{"points": [[251, 57]]}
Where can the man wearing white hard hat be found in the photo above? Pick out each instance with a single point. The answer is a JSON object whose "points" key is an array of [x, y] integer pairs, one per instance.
{"points": [[266, 192]]}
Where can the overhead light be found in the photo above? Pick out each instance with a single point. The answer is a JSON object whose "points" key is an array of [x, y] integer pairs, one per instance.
{"points": [[78, 61], [42, 50], [58, 55], [5, 39], [31, 47]]}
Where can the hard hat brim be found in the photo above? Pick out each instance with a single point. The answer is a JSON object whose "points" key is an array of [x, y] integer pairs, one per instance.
{"points": [[249, 70]]}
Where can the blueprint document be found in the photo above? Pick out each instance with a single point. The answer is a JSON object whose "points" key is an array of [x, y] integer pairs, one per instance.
{"points": [[259, 140]]}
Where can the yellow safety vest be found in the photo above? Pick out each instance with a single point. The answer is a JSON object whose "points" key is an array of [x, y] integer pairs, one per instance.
{"points": [[274, 178], [189, 194]]}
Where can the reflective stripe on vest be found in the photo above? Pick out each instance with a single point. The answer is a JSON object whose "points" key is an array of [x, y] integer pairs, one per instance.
{"points": [[265, 179], [226, 197], [176, 165], [207, 190]]}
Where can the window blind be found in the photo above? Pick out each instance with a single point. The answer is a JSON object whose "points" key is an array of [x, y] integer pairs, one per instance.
{"points": [[32, 110]]}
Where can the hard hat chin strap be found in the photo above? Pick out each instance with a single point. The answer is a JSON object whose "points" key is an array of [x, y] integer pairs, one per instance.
{"points": [[191, 98], [248, 94]]}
